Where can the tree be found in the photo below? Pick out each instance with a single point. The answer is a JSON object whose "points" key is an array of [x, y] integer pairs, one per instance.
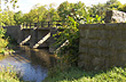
{"points": [[98, 9], [75, 10], [8, 18], [35, 15], [64, 9], [41, 14], [52, 14], [123, 8], [101, 9], [18, 18], [113, 4], [3, 13]]}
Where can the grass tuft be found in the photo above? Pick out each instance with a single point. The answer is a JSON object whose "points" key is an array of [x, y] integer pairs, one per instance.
{"points": [[74, 74]]}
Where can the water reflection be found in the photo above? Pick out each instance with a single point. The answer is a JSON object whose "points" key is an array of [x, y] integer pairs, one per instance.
{"points": [[31, 64]]}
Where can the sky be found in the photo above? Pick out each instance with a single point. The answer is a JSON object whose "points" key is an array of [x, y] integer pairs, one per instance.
{"points": [[26, 5]]}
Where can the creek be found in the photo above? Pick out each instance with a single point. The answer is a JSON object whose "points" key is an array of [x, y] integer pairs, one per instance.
{"points": [[30, 64]]}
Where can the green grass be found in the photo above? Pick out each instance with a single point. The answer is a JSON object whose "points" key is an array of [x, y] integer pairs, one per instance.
{"points": [[7, 75], [116, 74]]}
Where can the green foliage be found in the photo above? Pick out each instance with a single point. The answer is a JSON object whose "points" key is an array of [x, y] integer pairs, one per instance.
{"points": [[18, 18], [8, 75], [68, 39], [69, 52], [2, 32], [8, 18], [71, 9], [74, 74], [123, 8], [3, 42], [35, 15], [11, 2], [41, 14], [113, 4], [101, 9], [52, 14]]}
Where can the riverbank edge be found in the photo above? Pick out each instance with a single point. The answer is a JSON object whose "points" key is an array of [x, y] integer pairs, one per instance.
{"points": [[75, 74]]}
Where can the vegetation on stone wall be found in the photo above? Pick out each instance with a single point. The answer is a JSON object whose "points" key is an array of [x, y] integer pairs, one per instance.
{"points": [[69, 52]]}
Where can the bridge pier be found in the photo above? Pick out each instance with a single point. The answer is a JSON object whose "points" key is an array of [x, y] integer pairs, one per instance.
{"points": [[52, 40], [40, 38], [24, 36], [33, 37]]}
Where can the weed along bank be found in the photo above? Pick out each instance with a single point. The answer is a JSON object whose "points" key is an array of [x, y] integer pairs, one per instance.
{"points": [[102, 46]]}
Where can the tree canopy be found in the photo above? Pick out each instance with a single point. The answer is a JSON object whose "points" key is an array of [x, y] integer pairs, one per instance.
{"points": [[7, 16], [39, 13]]}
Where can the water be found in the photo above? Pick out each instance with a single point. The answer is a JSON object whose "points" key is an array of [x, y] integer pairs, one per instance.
{"points": [[32, 65]]}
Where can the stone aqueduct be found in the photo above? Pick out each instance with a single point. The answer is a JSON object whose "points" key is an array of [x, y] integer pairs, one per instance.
{"points": [[101, 45], [35, 37]]}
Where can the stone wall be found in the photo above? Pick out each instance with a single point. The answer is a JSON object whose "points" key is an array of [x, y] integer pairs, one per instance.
{"points": [[102, 46], [13, 31], [114, 16]]}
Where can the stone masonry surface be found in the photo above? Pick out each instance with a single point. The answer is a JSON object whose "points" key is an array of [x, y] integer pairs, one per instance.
{"points": [[102, 46]]}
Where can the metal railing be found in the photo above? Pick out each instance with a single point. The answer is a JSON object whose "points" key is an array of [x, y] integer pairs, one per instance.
{"points": [[46, 24]]}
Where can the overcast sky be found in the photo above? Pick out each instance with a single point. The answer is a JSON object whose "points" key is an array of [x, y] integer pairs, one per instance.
{"points": [[26, 5]]}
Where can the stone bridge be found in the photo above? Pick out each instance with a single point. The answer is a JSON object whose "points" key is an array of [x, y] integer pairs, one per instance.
{"points": [[34, 37]]}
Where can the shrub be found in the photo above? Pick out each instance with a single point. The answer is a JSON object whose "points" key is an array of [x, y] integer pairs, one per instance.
{"points": [[3, 41], [8, 75], [69, 53]]}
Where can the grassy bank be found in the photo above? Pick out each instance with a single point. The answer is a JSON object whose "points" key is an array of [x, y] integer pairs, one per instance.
{"points": [[6, 74], [74, 74], [4, 44]]}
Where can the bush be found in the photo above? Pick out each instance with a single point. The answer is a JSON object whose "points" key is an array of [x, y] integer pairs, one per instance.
{"points": [[68, 53], [3, 41], [7, 75], [74, 74]]}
